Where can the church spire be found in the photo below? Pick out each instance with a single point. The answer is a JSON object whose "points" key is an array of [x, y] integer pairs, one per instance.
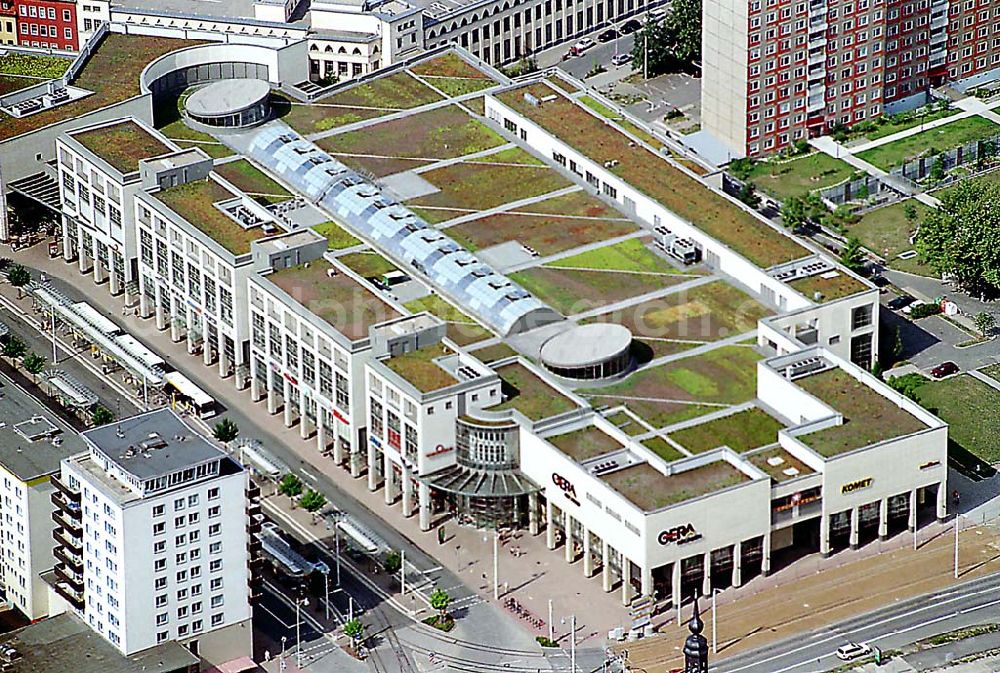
{"points": [[696, 645]]}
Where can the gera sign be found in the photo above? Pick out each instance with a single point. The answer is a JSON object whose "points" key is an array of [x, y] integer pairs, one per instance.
{"points": [[566, 486], [679, 535], [854, 486]]}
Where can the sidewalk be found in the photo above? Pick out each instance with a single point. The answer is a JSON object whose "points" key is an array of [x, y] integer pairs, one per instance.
{"points": [[816, 600]]}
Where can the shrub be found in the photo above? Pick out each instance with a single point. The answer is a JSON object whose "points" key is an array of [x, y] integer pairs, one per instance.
{"points": [[392, 563], [923, 310], [290, 485], [907, 384], [545, 641]]}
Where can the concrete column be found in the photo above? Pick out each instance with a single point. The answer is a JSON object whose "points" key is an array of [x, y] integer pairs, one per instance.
{"points": [[675, 584], [144, 309], [67, 249], [550, 531], [223, 358], [942, 501], [338, 448], [320, 427], [627, 591], [161, 314], [175, 330], [647, 581], [305, 426], [912, 521], [272, 397], [706, 579], [424, 497], [372, 472], [883, 519], [355, 459], [189, 336], [96, 271], [738, 564], [605, 566], [254, 382], [116, 287], [389, 483], [533, 523], [286, 404], [854, 527], [824, 535], [206, 346], [765, 561], [568, 537], [588, 558], [407, 476]]}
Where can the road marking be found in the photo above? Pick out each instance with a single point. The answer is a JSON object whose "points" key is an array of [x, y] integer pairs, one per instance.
{"points": [[276, 617], [308, 475]]}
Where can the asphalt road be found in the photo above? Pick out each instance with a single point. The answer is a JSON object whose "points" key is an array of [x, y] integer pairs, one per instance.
{"points": [[600, 54], [891, 627]]}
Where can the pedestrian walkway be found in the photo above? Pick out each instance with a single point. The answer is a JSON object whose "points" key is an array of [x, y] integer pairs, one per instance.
{"points": [[815, 592]]}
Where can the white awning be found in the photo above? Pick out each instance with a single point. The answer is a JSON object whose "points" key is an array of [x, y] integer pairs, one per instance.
{"points": [[366, 541], [137, 350], [98, 321]]}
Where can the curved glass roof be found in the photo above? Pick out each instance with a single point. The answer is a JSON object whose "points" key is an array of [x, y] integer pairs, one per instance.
{"points": [[353, 200]]}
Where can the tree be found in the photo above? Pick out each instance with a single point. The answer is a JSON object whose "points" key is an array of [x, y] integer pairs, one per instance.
{"points": [[907, 384], [748, 195], [937, 168], [853, 255], [18, 277], [354, 629], [440, 600], [225, 430], [393, 562], [101, 416], [742, 168], [290, 485], [961, 237], [910, 213], [312, 500], [33, 363], [985, 322], [794, 212], [672, 43], [14, 348]]}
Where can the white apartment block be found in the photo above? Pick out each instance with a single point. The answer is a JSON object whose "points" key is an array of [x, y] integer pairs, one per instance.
{"points": [[98, 176], [165, 544], [32, 443]]}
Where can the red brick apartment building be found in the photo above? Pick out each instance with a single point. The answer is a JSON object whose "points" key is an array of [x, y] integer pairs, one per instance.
{"points": [[47, 24], [805, 66]]}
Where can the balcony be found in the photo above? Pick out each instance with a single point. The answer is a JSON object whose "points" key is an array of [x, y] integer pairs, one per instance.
{"points": [[73, 596], [65, 489], [67, 522], [73, 577], [816, 57], [67, 540], [68, 505], [68, 557]]}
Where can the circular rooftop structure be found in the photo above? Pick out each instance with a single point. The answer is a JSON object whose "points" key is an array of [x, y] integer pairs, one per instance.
{"points": [[230, 103], [589, 352]]}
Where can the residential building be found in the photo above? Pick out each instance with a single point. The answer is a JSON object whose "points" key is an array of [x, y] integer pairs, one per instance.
{"points": [[33, 441], [779, 71], [165, 544], [8, 22], [48, 24]]}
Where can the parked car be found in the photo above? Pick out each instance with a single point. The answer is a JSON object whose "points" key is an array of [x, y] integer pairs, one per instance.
{"points": [[608, 35], [629, 27], [908, 309], [657, 15], [621, 59], [944, 369], [853, 651], [880, 281], [902, 301], [584, 44]]}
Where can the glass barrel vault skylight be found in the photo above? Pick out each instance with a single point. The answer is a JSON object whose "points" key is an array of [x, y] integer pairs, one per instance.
{"points": [[361, 205]]}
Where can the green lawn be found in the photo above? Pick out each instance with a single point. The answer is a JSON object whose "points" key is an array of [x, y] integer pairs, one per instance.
{"points": [[662, 448], [546, 234], [889, 124], [462, 329], [458, 86], [367, 264], [620, 119], [337, 238], [741, 432], [169, 122], [34, 65], [572, 291], [958, 132], [400, 91], [511, 155], [630, 255], [253, 181], [886, 231], [969, 406], [626, 423], [495, 352], [525, 391], [481, 186], [797, 177]]}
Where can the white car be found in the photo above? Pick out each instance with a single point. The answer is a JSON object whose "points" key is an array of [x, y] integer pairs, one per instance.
{"points": [[853, 651], [584, 44], [621, 59]]}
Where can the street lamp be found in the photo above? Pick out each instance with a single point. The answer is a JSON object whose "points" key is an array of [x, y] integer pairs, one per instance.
{"points": [[284, 639], [957, 517], [324, 570], [715, 642], [299, 603], [572, 642]]}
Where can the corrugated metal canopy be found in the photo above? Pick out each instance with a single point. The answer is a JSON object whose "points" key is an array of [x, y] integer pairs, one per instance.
{"points": [[488, 295]]}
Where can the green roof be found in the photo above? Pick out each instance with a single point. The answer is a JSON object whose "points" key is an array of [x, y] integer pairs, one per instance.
{"points": [[529, 394], [869, 417], [420, 369], [584, 444], [778, 464], [649, 489], [839, 286], [194, 201], [341, 301], [122, 145], [603, 142]]}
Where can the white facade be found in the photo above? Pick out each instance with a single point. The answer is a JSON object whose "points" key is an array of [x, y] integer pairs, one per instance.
{"points": [[26, 541], [167, 563]]}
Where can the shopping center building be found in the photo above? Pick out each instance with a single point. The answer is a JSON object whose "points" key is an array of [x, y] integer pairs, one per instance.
{"points": [[709, 416]]}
